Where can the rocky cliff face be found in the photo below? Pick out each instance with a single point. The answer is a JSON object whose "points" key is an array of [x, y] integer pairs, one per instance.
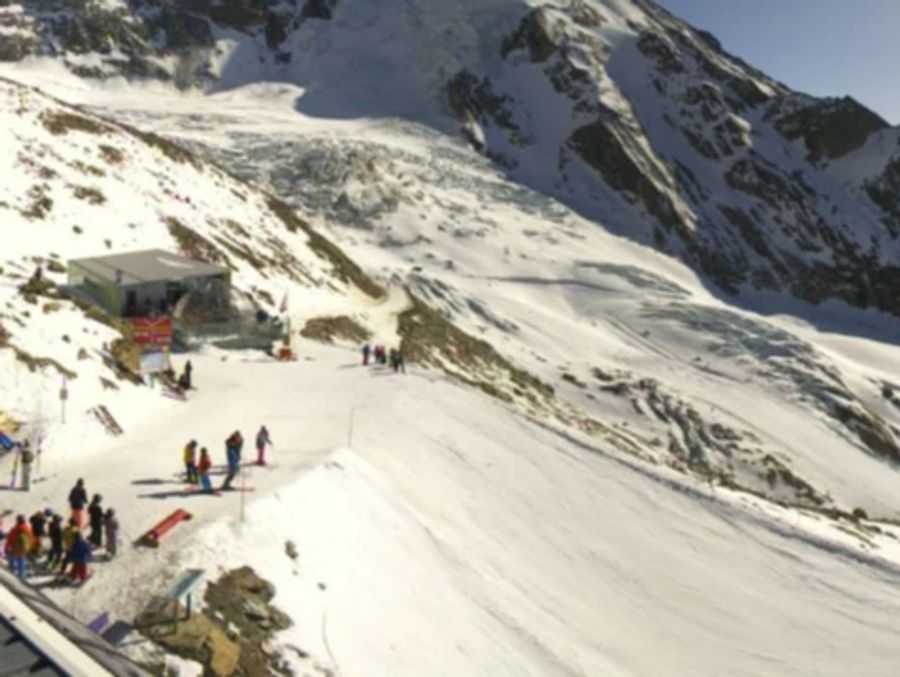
{"points": [[617, 108], [158, 39], [709, 159]]}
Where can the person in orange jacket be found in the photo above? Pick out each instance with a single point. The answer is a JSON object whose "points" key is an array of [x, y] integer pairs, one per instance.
{"points": [[18, 543], [203, 469]]}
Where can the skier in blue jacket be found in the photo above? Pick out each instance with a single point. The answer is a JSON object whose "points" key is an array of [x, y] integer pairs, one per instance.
{"points": [[233, 456], [80, 554]]}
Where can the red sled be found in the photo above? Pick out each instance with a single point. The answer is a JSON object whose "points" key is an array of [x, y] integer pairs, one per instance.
{"points": [[151, 538]]}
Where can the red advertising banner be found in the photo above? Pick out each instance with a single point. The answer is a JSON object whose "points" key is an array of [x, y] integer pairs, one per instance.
{"points": [[152, 331]]}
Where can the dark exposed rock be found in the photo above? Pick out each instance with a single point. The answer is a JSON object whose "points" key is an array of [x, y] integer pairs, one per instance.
{"points": [[747, 228], [872, 431], [748, 90], [472, 98], [231, 635], [603, 147], [16, 47], [241, 15], [327, 329], [427, 337], [94, 30], [319, 9], [885, 192], [276, 29], [180, 29], [658, 47], [710, 40], [585, 15], [701, 144], [831, 128], [753, 177], [535, 33]]}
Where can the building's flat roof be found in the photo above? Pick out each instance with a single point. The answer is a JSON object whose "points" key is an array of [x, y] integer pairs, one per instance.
{"points": [[38, 638], [148, 265]]}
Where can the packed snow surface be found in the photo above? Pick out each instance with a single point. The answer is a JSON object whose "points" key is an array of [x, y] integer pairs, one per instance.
{"points": [[450, 536], [442, 531]]}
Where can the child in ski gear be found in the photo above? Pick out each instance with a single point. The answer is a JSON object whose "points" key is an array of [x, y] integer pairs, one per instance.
{"points": [[95, 511], [77, 500], [190, 461], [262, 439], [203, 469], [366, 354], [18, 543], [68, 540], [55, 531], [80, 554], [111, 524], [26, 461], [233, 457]]}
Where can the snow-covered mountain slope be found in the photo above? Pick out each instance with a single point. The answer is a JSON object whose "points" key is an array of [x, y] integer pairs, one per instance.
{"points": [[647, 477], [616, 108], [443, 533], [630, 340], [76, 185]]}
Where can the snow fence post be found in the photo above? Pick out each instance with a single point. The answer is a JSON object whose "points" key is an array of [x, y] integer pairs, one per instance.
{"points": [[63, 396]]}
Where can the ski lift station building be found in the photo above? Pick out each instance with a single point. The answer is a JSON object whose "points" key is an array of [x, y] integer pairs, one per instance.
{"points": [[144, 283]]}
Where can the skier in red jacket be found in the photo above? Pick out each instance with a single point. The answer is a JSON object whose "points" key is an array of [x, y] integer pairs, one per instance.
{"points": [[18, 543]]}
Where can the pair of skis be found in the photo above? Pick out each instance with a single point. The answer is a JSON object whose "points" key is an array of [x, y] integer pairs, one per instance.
{"points": [[220, 491]]}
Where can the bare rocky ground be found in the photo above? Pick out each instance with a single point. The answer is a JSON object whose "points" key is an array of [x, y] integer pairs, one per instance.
{"points": [[233, 634]]}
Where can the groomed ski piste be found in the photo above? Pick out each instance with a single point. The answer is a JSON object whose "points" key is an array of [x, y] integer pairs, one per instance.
{"points": [[442, 531]]}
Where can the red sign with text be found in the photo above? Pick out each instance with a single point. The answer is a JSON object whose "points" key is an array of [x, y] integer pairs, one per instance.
{"points": [[152, 331]]}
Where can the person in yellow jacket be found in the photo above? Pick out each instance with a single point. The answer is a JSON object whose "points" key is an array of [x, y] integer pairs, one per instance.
{"points": [[68, 540], [190, 462]]}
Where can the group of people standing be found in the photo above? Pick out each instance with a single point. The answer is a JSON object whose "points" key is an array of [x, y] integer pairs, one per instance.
{"points": [[197, 469], [379, 355], [68, 544]]}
